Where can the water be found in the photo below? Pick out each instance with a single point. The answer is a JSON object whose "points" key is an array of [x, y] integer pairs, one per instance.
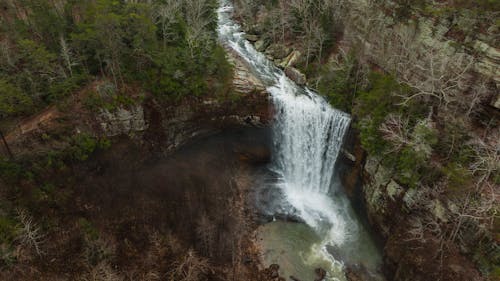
{"points": [[307, 138]]}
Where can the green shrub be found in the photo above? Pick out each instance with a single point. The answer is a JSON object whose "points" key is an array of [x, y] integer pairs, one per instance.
{"points": [[10, 171], [342, 82], [83, 145], [13, 101]]}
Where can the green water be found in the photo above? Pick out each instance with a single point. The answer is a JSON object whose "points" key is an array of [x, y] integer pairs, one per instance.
{"points": [[297, 249]]}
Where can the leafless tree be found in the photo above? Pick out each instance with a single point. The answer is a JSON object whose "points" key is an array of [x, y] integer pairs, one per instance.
{"points": [[190, 267], [102, 272], [434, 75], [30, 234], [478, 94], [66, 55], [486, 157], [314, 38], [396, 130], [197, 21], [285, 18], [166, 14]]}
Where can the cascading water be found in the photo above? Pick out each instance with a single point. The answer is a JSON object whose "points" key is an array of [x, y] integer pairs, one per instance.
{"points": [[307, 135]]}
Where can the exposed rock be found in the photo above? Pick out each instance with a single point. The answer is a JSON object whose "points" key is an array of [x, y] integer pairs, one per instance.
{"points": [[278, 51], [274, 270], [261, 45], [496, 101], [297, 76], [244, 81], [270, 273], [489, 61], [122, 121], [320, 274], [293, 58], [349, 155], [394, 190], [351, 275], [251, 37]]}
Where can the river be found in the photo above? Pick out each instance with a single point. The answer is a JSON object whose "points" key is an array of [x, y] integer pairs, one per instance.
{"points": [[307, 136]]}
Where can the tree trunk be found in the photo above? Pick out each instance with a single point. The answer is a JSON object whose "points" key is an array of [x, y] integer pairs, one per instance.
{"points": [[9, 152]]}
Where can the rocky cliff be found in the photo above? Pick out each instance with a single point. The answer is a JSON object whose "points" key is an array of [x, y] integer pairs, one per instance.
{"points": [[162, 124]]}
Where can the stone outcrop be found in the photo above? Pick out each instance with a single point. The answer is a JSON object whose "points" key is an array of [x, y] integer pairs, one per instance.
{"points": [[295, 74], [165, 125], [122, 121], [244, 82], [277, 51], [399, 45], [391, 209]]}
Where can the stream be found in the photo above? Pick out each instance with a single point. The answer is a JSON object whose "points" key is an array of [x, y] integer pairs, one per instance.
{"points": [[307, 136]]}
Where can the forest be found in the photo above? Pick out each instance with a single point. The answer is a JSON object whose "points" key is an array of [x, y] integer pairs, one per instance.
{"points": [[418, 78]]}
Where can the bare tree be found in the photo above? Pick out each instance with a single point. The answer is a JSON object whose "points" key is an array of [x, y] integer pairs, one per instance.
{"points": [[197, 21], [486, 157], [30, 234], [190, 267], [396, 130], [166, 14], [434, 75], [102, 272], [66, 55], [285, 18]]}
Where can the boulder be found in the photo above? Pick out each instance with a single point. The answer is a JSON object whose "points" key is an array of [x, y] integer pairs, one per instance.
{"points": [[122, 120], [496, 102], [261, 45], [271, 273], [244, 82], [278, 51], [351, 275], [297, 76], [291, 60], [251, 37], [320, 274]]}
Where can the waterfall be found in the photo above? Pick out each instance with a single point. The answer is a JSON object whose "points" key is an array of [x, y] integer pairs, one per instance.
{"points": [[307, 133], [307, 139]]}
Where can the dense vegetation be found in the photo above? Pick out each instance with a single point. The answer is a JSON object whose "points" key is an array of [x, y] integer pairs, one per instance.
{"points": [[49, 50], [95, 56]]}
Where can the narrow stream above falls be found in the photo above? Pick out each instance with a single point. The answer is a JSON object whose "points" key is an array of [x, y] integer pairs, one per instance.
{"points": [[307, 138]]}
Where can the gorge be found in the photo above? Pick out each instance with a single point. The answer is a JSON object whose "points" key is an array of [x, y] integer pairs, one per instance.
{"points": [[307, 138], [252, 140]]}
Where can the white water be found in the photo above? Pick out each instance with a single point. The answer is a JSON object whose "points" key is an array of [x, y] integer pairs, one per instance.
{"points": [[307, 135]]}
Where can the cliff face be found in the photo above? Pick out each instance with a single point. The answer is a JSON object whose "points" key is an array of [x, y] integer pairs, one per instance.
{"points": [[426, 53], [460, 47], [162, 125]]}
